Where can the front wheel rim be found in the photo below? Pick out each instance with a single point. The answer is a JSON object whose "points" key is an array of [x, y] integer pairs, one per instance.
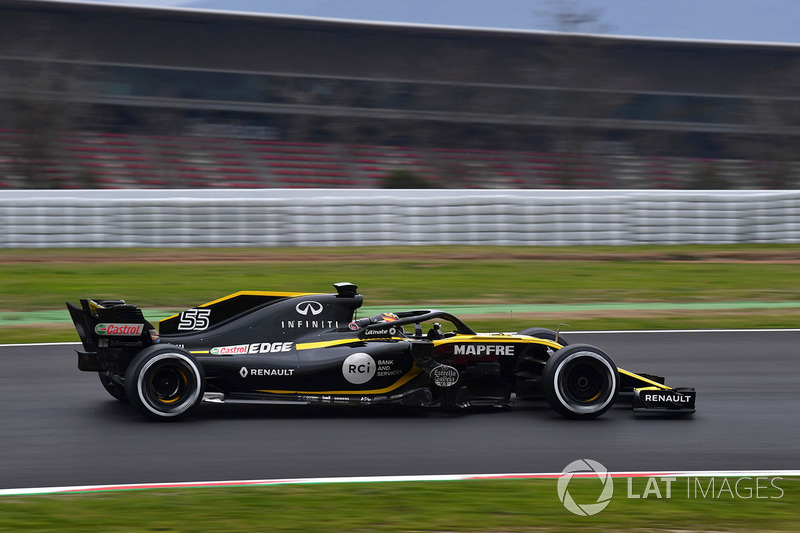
{"points": [[585, 382]]}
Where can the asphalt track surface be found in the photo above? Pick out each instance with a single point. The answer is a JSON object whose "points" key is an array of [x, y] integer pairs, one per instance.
{"points": [[59, 427]]}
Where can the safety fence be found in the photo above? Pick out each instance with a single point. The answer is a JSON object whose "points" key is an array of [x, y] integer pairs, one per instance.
{"points": [[328, 217]]}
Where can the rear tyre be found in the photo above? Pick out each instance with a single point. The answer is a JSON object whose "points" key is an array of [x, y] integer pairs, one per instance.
{"points": [[112, 387], [544, 333], [580, 382], [164, 382]]}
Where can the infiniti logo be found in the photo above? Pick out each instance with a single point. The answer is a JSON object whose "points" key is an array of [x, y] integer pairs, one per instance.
{"points": [[304, 308]]}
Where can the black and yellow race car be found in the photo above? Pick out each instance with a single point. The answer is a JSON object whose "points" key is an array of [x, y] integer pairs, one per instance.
{"points": [[276, 347]]}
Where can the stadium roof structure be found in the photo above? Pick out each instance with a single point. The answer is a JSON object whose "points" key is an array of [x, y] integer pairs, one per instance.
{"points": [[188, 58], [133, 7]]}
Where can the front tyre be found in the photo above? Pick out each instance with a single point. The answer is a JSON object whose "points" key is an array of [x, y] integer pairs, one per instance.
{"points": [[544, 333], [580, 381], [165, 382]]}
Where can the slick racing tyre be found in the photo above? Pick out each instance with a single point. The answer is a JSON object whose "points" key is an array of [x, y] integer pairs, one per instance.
{"points": [[544, 333], [112, 387], [165, 382], [580, 381]]}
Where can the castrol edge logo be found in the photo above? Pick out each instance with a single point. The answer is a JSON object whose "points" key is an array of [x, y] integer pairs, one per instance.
{"points": [[120, 330]]}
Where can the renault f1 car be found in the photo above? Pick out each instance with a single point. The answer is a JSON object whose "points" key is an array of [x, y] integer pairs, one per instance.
{"points": [[301, 348]]}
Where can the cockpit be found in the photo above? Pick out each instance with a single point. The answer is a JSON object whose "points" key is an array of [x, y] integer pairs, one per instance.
{"points": [[427, 324]]}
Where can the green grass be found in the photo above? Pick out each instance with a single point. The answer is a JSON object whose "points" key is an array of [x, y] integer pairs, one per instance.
{"points": [[421, 276], [487, 506]]}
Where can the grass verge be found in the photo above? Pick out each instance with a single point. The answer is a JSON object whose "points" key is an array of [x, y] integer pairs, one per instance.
{"points": [[483, 506], [422, 276]]}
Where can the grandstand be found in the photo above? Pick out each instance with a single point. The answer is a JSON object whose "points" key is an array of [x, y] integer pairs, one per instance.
{"points": [[113, 96]]}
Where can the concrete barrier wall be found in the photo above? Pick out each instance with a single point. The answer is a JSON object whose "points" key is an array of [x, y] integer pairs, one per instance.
{"points": [[307, 217]]}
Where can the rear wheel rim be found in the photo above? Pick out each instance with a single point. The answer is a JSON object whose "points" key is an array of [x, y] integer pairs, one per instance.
{"points": [[169, 384]]}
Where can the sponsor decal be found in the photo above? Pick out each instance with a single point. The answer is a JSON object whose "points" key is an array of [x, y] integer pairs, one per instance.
{"points": [[230, 350], [121, 330], [483, 349], [666, 397], [359, 368], [353, 326], [381, 332], [194, 319], [309, 324], [261, 372], [118, 343], [386, 368], [389, 317], [309, 307], [258, 347], [444, 376]]}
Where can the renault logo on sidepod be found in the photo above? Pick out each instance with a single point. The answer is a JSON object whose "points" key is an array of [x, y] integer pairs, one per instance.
{"points": [[304, 308]]}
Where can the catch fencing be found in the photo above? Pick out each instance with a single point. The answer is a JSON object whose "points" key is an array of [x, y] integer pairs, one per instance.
{"points": [[338, 217]]}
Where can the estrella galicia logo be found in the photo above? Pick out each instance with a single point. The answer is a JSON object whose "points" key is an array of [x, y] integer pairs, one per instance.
{"points": [[587, 468], [308, 307]]}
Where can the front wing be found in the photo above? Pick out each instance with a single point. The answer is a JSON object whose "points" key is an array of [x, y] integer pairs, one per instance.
{"points": [[658, 400]]}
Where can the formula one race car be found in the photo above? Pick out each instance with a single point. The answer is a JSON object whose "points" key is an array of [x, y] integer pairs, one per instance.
{"points": [[271, 347]]}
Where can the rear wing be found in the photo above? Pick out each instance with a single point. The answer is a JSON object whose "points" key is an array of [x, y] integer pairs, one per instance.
{"points": [[110, 324]]}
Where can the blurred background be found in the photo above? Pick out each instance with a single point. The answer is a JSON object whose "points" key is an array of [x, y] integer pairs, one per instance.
{"points": [[179, 95]]}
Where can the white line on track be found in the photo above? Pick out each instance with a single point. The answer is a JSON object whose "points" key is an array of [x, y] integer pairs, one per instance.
{"points": [[383, 479], [40, 344]]}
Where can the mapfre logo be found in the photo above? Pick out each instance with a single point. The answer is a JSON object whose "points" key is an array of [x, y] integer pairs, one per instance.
{"points": [[308, 308], [359, 368], [585, 468], [122, 330]]}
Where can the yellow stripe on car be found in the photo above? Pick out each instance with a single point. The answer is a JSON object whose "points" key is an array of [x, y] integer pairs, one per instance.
{"points": [[645, 380], [249, 293], [499, 339]]}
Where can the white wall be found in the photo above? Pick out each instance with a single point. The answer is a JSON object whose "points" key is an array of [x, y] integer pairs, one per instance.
{"points": [[346, 217]]}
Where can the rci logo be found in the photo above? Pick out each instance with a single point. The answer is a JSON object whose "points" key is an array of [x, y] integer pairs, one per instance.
{"points": [[359, 368], [586, 468], [304, 308]]}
